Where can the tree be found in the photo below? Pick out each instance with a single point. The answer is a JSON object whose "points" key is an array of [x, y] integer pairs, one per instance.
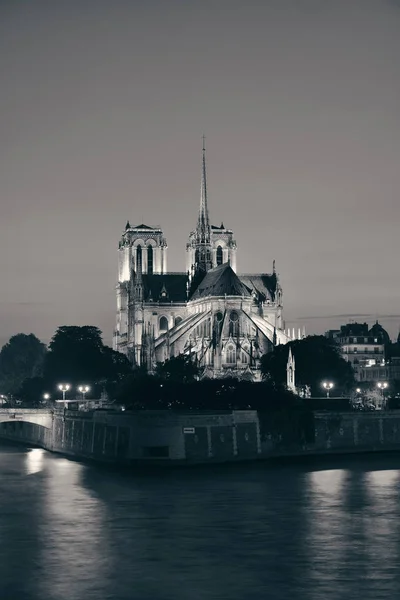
{"points": [[32, 390], [77, 355], [180, 368], [21, 358], [116, 368], [317, 358]]}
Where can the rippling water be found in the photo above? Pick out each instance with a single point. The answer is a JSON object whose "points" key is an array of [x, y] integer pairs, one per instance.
{"points": [[315, 531]]}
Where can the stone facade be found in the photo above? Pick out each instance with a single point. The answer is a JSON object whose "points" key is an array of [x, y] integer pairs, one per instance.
{"points": [[364, 348], [224, 319]]}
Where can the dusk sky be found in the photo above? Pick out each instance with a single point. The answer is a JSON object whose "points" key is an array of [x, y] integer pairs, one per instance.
{"points": [[102, 109]]}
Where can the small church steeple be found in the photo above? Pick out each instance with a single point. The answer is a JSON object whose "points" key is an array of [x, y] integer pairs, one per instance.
{"points": [[290, 372]]}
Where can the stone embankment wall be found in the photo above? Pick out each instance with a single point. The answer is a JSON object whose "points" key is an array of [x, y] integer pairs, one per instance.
{"points": [[145, 436], [190, 437]]}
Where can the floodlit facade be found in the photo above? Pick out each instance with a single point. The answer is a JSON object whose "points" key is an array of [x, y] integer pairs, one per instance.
{"points": [[364, 348], [224, 319]]}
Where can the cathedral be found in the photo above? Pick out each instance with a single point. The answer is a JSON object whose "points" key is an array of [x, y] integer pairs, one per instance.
{"points": [[224, 319]]}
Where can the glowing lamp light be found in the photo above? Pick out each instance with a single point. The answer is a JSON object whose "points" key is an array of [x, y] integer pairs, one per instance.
{"points": [[382, 385], [84, 389], [64, 387], [327, 385], [46, 396]]}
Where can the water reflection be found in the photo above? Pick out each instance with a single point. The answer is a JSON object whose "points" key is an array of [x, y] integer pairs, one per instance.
{"points": [[34, 460], [328, 529], [382, 530], [74, 541], [255, 532]]}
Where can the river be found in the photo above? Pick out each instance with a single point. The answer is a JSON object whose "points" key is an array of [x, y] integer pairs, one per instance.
{"points": [[318, 531]]}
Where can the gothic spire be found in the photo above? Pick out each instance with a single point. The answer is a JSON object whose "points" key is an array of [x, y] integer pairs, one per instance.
{"points": [[203, 222]]}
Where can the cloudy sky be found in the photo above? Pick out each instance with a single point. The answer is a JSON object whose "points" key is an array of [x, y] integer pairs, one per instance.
{"points": [[102, 107]]}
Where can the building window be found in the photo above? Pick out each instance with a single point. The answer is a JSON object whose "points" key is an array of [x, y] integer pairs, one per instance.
{"points": [[231, 355], [163, 324], [207, 328], [150, 260], [245, 357], [220, 256], [139, 258], [178, 320], [234, 324], [376, 350]]}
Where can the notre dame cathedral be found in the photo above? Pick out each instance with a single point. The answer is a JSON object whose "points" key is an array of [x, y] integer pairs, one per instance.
{"points": [[223, 319]]}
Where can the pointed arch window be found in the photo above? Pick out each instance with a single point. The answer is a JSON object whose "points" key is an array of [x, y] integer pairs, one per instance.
{"points": [[234, 324], [245, 356], [138, 257], [231, 355], [150, 259], [163, 324], [178, 320], [220, 256]]}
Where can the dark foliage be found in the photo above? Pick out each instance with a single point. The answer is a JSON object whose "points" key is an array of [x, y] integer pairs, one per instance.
{"points": [[317, 359], [153, 392], [32, 390], [77, 355], [180, 368], [21, 358]]}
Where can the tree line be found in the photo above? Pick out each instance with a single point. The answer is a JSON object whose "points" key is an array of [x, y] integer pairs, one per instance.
{"points": [[77, 355]]}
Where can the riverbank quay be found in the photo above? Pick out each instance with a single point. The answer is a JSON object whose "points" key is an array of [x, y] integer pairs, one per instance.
{"points": [[190, 437]]}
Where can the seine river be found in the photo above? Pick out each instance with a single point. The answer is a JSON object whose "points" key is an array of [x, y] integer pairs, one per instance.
{"points": [[319, 530]]}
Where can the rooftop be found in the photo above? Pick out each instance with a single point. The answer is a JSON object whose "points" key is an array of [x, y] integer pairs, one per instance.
{"points": [[221, 281]]}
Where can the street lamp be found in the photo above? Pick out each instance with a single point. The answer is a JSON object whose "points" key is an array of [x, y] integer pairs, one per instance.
{"points": [[46, 396], [64, 387], [328, 385], [83, 390], [382, 385], [358, 390]]}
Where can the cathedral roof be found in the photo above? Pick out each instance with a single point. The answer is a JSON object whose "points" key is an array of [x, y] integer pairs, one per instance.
{"points": [[165, 288], [143, 226], [264, 285], [220, 281]]}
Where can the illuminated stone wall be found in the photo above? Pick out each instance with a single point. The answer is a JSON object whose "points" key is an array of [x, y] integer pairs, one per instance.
{"points": [[179, 438]]}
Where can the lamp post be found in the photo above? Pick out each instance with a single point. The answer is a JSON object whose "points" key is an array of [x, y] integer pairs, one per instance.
{"points": [[83, 390], [327, 385], [64, 387], [46, 396], [382, 385]]}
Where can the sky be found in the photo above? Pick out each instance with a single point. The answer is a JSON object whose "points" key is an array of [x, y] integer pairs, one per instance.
{"points": [[102, 109]]}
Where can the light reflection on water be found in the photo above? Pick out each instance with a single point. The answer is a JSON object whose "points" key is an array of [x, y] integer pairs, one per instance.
{"points": [[317, 531], [34, 460]]}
